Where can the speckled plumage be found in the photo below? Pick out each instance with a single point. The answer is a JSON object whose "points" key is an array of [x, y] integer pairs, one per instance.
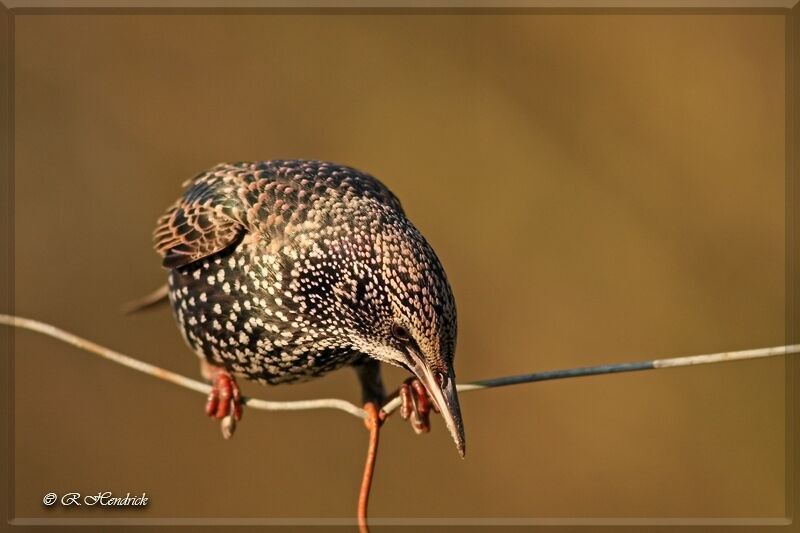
{"points": [[281, 271]]}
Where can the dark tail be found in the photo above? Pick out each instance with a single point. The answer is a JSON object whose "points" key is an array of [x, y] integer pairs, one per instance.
{"points": [[155, 298]]}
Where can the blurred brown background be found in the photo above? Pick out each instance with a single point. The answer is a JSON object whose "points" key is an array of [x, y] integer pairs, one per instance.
{"points": [[600, 188]]}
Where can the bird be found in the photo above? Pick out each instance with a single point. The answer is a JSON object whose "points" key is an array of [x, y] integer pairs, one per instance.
{"points": [[281, 271]]}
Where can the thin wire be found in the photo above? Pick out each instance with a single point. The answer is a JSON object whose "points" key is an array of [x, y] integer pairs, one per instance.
{"points": [[172, 377], [394, 403], [652, 364], [375, 417]]}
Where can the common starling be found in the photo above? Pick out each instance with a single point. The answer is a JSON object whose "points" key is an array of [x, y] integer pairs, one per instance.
{"points": [[282, 271]]}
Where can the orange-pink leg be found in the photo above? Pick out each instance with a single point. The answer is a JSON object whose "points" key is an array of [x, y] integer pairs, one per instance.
{"points": [[416, 405], [225, 400]]}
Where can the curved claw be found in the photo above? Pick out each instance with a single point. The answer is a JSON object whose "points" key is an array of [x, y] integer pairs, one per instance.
{"points": [[224, 401], [416, 405]]}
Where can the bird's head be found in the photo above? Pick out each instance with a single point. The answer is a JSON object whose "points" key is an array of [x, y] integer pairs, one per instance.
{"points": [[394, 302]]}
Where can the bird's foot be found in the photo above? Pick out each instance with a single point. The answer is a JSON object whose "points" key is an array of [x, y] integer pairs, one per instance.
{"points": [[416, 405], [225, 400]]}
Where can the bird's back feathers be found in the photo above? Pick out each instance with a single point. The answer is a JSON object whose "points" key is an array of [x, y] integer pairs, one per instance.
{"points": [[267, 198]]}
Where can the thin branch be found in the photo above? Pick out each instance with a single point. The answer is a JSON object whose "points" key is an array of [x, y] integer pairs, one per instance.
{"points": [[172, 377], [373, 423]]}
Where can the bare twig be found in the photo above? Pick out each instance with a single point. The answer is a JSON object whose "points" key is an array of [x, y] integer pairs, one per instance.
{"points": [[373, 423]]}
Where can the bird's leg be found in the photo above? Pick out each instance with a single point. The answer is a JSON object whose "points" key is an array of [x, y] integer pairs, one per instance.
{"points": [[225, 400], [369, 375], [416, 405]]}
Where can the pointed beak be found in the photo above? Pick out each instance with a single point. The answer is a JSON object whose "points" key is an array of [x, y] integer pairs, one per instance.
{"points": [[445, 397]]}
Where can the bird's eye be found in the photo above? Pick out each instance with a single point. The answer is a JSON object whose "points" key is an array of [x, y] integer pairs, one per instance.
{"points": [[400, 333]]}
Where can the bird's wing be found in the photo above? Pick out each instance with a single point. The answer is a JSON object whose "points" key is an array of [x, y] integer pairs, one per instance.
{"points": [[205, 220], [267, 198]]}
